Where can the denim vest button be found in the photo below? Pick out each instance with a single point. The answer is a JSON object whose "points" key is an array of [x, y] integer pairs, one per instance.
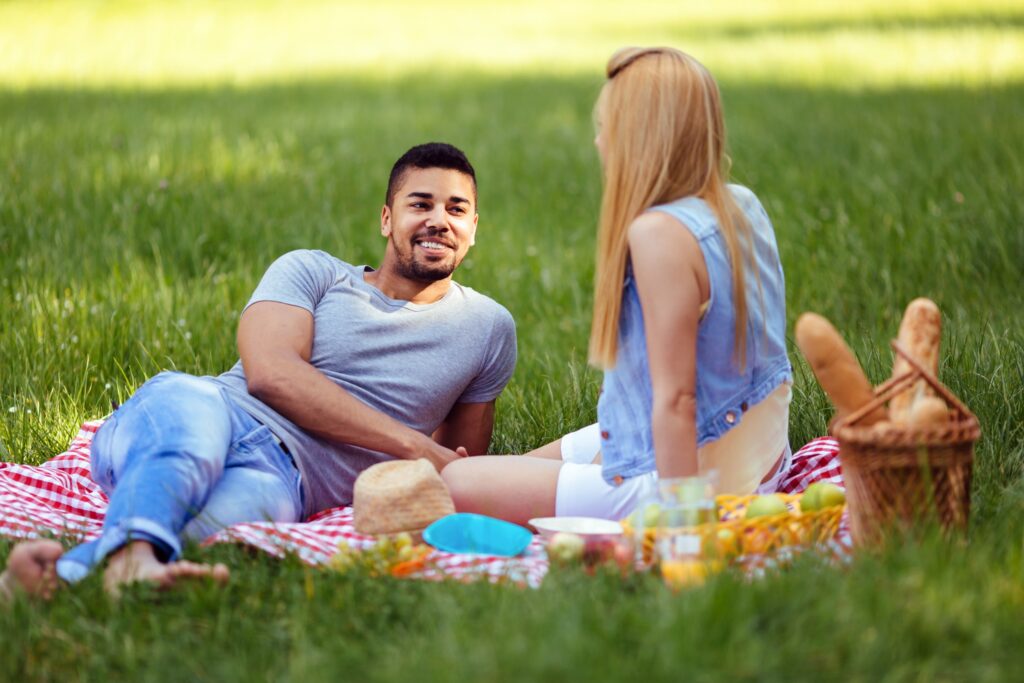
{"points": [[605, 434], [730, 417], [617, 480], [744, 406]]}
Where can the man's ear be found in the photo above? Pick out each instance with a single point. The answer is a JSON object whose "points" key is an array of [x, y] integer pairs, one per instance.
{"points": [[385, 221], [472, 235]]}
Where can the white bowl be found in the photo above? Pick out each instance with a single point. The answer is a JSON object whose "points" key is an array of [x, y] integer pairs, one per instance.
{"points": [[590, 528]]}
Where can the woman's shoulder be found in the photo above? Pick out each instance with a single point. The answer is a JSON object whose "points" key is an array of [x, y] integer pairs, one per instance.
{"points": [[746, 199], [741, 191], [692, 212]]}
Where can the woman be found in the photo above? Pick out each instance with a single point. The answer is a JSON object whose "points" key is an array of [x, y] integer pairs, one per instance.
{"points": [[689, 316]]}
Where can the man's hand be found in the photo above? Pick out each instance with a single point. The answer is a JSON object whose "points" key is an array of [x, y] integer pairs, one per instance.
{"points": [[439, 456], [274, 343]]}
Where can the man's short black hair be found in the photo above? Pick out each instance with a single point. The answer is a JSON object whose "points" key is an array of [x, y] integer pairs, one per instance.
{"points": [[429, 155]]}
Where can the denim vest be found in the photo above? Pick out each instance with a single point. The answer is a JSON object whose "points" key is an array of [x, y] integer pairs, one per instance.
{"points": [[724, 393]]}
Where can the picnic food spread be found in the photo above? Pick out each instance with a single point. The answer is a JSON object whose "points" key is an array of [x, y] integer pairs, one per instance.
{"points": [[746, 527]]}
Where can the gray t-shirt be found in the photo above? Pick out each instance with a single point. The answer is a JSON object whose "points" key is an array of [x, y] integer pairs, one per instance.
{"points": [[413, 362]]}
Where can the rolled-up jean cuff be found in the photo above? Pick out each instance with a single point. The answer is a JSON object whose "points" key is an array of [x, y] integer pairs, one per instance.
{"points": [[72, 568]]}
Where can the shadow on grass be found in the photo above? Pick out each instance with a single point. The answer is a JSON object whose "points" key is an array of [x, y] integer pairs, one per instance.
{"points": [[140, 209], [191, 174]]}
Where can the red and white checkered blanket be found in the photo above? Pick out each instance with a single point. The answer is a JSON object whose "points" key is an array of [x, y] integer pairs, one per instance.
{"points": [[60, 498]]}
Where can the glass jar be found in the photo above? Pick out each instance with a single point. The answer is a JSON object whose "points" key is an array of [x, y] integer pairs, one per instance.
{"points": [[686, 533]]}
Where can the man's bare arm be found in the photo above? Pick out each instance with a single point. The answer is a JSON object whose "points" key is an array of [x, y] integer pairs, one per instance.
{"points": [[468, 425], [275, 342]]}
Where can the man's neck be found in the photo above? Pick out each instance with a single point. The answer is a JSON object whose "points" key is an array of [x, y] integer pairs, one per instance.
{"points": [[398, 287]]}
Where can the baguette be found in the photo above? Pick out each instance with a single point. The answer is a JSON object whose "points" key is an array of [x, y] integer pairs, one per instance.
{"points": [[836, 368], [927, 412], [919, 336]]}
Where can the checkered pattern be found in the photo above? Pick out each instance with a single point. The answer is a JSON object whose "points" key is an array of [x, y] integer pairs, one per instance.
{"points": [[819, 461], [60, 498]]}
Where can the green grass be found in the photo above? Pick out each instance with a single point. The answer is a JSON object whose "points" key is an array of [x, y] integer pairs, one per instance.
{"points": [[153, 43], [144, 189]]}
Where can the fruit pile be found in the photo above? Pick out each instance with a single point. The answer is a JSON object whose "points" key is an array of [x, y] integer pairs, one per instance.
{"points": [[395, 555], [751, 525], [566, 549], [748, 526]]}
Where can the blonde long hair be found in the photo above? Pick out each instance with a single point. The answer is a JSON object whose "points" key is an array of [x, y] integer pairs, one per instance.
{"points": [[663, 138]]}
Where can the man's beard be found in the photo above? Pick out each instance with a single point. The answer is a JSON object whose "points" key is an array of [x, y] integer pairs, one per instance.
{"points": [[408, 267]]}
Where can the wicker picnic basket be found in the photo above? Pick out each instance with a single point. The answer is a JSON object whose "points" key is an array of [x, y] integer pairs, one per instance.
{"points": [[898, 475]]}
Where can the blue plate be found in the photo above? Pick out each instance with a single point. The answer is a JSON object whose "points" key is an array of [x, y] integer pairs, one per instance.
{"points": [[466, 532]]}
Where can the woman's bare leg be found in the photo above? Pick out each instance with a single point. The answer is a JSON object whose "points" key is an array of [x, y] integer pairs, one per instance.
{"points": [[551, 451], [515, 488]]}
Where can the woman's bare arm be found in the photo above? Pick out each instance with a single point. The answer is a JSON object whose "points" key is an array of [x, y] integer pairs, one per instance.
{"points": [[671, 278]]}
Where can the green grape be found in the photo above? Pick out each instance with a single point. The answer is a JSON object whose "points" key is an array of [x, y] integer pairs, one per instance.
{"points": [[381, 558]]}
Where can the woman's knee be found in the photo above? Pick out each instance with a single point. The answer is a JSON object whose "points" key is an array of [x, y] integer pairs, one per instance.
{"points": [[457, 476]]}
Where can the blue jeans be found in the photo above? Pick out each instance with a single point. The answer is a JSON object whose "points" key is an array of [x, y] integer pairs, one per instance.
{"points": [[180, 461]]}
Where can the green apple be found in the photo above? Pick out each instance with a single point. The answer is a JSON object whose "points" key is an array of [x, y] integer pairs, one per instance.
{"points": [[820, 495], [763, 506], [831, 494], [646, 516], [719, 544], [565, 548], [810, 501]]}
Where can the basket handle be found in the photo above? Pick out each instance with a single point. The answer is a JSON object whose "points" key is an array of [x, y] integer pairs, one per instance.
{"points": [[891, 387], [932, 380]]}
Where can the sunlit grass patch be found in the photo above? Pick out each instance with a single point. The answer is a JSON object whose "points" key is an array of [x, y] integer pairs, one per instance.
{"points": [[63, 42]]}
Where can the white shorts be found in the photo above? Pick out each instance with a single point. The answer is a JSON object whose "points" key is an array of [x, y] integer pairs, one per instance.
{"points": [[582, 445], [582, 490]]}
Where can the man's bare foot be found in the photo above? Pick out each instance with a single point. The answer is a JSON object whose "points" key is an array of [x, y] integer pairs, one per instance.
{"points": [[31, 567], [136, 562]]}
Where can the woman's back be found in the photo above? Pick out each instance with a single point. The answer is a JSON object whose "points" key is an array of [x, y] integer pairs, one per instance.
{"points": [[725, 391]]}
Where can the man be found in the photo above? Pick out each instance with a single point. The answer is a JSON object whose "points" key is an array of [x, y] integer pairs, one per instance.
{"points": [[340, 367]]}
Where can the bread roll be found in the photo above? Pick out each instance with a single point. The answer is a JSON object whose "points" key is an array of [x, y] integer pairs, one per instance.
{"points": [[836, 368], [880, 428], [919, 336], [928, 411]]}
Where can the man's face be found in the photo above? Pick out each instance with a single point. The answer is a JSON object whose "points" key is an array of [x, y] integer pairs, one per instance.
{"points": [[431, 223]]}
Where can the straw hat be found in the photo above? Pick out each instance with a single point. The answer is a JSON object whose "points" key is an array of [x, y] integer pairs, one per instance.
{"points": [[399, 495]]}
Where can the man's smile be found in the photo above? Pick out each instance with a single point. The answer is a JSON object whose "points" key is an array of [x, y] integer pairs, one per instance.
{"points": [[434, 245]]}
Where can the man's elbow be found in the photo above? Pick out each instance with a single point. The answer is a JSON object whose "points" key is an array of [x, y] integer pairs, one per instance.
{"points": [[265, 383]]}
